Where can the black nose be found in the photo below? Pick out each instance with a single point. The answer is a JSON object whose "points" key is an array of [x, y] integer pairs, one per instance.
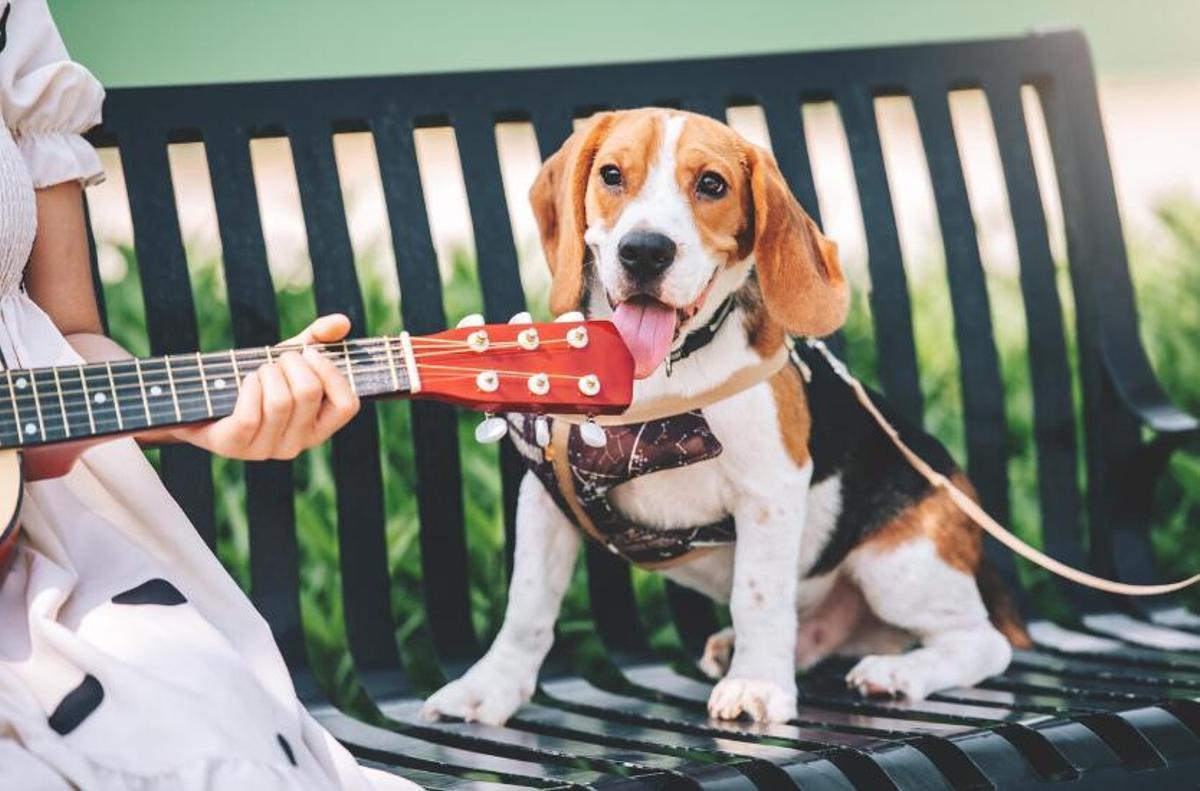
{"points": [[645, 254]]}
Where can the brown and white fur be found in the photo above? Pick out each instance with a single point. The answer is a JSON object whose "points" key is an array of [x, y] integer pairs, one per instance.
{"points": [[905, 574]]}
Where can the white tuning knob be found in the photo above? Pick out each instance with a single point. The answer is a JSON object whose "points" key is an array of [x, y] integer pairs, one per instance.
{"points": [[592, 434], [539, 384], [492, 429], [541, 432], [523, 317], [470, 320], [569, 316]]}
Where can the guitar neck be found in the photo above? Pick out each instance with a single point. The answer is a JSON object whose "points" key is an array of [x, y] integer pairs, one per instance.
{"points": [[77, 402]]}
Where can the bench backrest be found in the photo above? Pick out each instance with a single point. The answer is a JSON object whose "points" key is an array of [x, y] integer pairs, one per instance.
{"points": [[141, 123]]}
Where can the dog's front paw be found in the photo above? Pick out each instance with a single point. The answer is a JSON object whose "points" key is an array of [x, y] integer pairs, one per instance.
{"points": [[482, 695], [897, 675], [762, 701]]}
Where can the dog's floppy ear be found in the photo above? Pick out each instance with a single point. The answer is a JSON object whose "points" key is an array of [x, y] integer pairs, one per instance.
{"points": [[557, 197], [802, 282]]}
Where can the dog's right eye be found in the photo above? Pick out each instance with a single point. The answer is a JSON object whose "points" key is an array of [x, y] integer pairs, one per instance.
{"points": [[610, 175]]}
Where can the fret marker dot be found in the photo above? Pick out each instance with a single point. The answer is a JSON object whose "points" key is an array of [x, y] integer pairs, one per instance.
{"points": [[21, 383], [155, 390], [219, 384], [99, 398], [30, 428]]}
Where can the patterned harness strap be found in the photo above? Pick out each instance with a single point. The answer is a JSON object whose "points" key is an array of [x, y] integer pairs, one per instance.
{"points": [[673, 434], [581, 478]]}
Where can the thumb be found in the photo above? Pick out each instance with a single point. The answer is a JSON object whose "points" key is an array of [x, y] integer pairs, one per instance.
{"points": [[325, 329]]}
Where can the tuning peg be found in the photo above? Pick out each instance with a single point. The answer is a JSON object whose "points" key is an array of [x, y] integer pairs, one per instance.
{"points": [[539, 384], [541, 431], [592, 434], [569, 316], [492, 429], [528, 339], [523, 317], [470, 320], [577, 337]]}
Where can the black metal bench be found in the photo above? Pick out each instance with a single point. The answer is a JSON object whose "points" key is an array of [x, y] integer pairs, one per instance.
{"points": [[1103, 715]]}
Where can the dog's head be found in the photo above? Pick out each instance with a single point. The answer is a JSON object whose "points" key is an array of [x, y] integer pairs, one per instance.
{"points": [[674, 208]]}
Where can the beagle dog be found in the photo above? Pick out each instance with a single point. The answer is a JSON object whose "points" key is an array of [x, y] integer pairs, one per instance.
{"points": [[785, 499]]}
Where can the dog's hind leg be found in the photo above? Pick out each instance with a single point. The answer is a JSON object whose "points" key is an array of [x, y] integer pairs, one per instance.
{"points": [[718, 652], [821, 631], [910, 586]]}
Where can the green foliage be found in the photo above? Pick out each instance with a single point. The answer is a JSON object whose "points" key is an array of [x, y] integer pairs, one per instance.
{"points": [[1168, 285], [1169, 297]]}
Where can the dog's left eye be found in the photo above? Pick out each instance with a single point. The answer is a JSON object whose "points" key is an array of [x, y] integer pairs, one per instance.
{"points": [[610, 175], [711, 185]]}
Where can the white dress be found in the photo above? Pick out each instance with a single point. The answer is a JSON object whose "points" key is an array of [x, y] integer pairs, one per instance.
{"points": [[129, 659]]}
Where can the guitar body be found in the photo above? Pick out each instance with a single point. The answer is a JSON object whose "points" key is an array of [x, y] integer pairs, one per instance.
{"points": [[11, 488]]}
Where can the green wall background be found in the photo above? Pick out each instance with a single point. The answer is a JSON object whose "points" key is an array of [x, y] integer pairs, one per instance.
{"points": [[157, 42]]}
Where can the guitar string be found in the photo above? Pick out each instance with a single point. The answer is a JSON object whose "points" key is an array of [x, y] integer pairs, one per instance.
{"points": [[366, 348], [219, 359], [190, 390], [361, 347], [186, 396], [186, 360]]}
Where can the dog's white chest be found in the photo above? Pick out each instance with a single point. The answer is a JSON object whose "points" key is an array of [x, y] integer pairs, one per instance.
{"points": [[684, 497]]}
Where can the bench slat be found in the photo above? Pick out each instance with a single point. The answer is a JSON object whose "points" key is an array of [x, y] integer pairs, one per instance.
{"points": [[170, 313], [444, 583], [890, 303], [1050, 373], [979, 363], [499, 275], [356, 460], [274, 555]]}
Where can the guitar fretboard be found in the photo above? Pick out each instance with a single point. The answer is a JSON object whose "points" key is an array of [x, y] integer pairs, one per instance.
{"points": [[41, 405]]}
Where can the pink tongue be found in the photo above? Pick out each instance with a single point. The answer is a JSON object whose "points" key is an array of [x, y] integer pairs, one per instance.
{"points": [[647, 326]]}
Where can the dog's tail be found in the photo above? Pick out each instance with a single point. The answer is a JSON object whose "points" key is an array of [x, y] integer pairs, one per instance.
{"points": [[1001, 609]]}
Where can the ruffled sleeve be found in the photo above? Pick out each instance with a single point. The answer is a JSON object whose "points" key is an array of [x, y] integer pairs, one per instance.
{"points": [[46, 100]]}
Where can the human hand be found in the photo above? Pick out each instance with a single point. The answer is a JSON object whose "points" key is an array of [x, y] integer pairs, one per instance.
{"points": [[286, 407]]}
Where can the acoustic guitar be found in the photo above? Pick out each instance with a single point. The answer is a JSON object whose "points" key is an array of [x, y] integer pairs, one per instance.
{"points": [[569, 366]]}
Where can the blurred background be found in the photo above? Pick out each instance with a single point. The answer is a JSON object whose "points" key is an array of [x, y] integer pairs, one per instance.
{"points": [[1148, 64]]}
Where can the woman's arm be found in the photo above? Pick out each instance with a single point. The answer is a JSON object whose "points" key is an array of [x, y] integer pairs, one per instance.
{"points": [[282, 409], [59, 274]]}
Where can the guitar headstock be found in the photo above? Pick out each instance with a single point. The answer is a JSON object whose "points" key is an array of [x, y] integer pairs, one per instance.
{"points": [[578, 367]]}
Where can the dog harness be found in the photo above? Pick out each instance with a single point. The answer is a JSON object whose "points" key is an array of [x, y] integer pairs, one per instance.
{"points": [[580, 477], [580, 483]]}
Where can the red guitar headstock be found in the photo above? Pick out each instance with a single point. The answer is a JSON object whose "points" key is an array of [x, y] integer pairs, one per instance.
{"points": [[577, 367]]}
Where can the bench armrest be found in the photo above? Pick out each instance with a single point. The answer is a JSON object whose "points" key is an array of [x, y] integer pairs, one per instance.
{"points": [[1143, 395]]}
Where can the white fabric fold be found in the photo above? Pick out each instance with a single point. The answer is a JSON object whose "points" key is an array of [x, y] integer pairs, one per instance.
{"points": [[47, 100]]}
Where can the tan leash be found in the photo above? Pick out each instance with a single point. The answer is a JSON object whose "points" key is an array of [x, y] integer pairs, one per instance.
{"points": [[666, 406], [752, 375]]}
